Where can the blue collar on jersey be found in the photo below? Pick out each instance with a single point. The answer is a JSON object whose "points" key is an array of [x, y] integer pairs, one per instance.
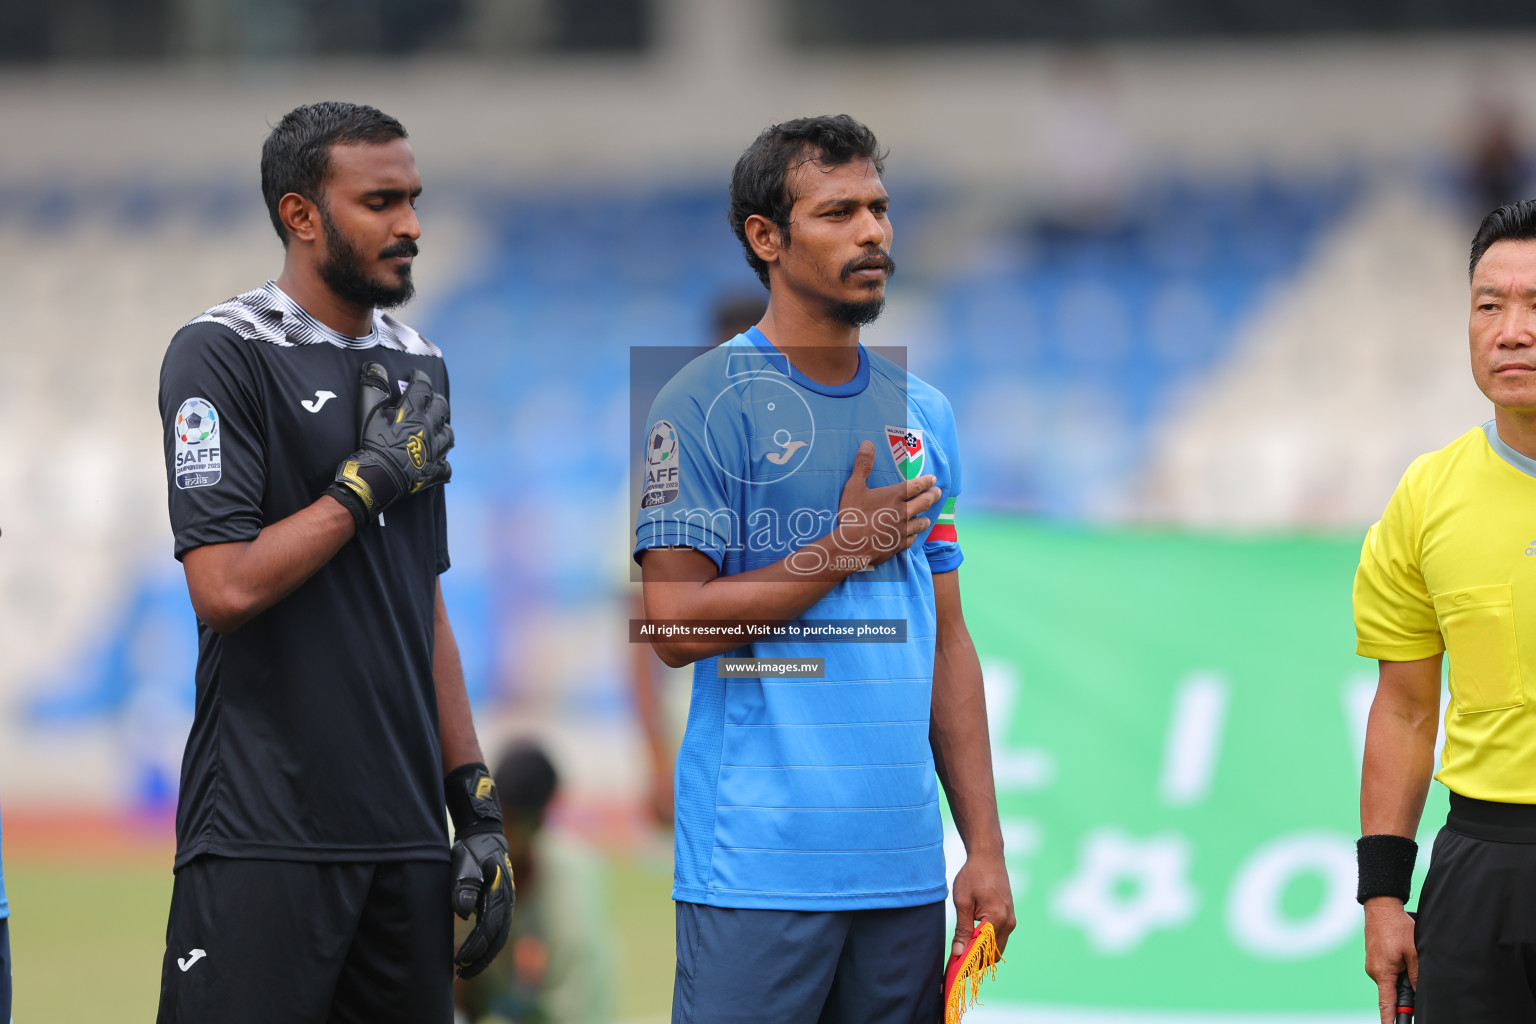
{"points": [[1523, 463], [855, 386]]}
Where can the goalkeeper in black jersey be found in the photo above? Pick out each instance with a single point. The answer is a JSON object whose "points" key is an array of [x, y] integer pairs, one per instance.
{"points": [[306, 435]]}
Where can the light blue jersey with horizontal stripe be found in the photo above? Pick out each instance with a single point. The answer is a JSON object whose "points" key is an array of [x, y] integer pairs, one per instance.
{"points": [[811, 794]]}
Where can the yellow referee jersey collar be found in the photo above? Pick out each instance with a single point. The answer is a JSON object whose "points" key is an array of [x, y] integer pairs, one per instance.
{"points": [[1524, 463]]}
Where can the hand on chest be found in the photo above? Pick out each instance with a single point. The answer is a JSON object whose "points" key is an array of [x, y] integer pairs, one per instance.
{"points": [[314, 405]]}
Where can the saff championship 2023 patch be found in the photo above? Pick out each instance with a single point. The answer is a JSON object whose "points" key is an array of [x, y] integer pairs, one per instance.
{"points": [[198, 463], [663, 454]]}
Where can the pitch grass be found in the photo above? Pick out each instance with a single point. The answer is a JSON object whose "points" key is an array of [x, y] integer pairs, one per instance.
{"points": [[87, 939]]}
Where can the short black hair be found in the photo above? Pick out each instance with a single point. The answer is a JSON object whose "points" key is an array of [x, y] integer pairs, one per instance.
{"points": [[760, 182], [1515, 222], [525, 778], [297, 153]]}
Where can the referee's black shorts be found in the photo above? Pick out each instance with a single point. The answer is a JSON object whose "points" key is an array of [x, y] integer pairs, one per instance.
{"points": [[1476, 931], [289, 942]]}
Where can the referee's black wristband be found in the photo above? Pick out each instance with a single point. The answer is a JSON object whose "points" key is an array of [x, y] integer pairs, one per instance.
{"points": [[1386, 866], [470, 793]]}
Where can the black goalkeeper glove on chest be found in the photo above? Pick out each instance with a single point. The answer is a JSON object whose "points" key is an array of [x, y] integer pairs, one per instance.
{"points": [[482, 871], [403, 445]]}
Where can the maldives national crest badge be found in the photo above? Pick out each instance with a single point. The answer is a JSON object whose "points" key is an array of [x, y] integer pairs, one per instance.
{"points": [[908, 449]]}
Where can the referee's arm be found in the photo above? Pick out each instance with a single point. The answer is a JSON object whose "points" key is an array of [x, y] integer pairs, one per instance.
{"points": [[962, 755], [1394, 780]]}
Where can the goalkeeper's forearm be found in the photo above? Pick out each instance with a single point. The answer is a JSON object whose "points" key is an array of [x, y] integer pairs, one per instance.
{"points": [[456, 725], [230, 584]]}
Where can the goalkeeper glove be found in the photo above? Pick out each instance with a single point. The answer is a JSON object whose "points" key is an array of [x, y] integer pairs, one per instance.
{"points": [[482, 871], [403, 445]]}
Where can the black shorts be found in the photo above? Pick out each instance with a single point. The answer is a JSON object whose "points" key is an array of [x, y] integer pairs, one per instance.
{"points": [[287, 942], [1476, 931]]}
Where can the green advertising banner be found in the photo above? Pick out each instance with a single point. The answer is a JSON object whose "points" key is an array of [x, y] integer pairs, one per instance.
{"points": [[1177, 725]]}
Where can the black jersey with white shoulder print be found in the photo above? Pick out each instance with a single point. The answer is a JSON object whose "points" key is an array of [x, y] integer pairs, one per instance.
{"points": [[315, 735]]}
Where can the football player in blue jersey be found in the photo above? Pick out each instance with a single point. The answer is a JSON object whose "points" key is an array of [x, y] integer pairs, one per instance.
{"points": [[794, 476]]}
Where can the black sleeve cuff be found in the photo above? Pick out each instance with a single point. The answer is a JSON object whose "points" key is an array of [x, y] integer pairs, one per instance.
{"points": [[228, 530]]}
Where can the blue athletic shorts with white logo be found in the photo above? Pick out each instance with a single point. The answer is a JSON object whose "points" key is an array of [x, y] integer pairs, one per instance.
{"points": [[809, 966]]}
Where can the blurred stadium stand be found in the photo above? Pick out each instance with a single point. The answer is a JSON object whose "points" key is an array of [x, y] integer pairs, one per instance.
{"points": [[72, 30], [1119, 350], [137, 30], [914, 22], [1072, 355], [1289, 431], [1076, 339], [1211, 281]]}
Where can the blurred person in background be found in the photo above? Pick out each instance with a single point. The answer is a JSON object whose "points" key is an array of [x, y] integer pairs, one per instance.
{"points": [[557, 966], [1084, 142], [1496, 162], [660, 691], [810, 875], [306, 441], [1449, 569], [736, 314]]}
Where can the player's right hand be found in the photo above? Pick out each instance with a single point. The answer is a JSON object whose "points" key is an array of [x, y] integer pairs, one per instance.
{"points": [[881, 521], [1389, 951], [403, 448]]}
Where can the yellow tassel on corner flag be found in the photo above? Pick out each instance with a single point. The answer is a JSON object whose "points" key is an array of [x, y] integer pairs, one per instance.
{"points": [[962, 981]]}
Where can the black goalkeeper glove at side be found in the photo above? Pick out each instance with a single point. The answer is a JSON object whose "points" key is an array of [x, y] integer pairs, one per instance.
{"points": [[403, 445], [482, 871]]}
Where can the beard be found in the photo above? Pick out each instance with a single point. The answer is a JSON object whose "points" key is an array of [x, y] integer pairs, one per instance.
{"points": [[343, 270], [856, 314], [864, 311]]}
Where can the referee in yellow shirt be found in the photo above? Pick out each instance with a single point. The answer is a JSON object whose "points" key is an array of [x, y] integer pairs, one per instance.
{"points": [[1451, 566]]}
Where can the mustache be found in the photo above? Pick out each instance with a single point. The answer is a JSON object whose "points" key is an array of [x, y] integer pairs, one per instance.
{"points": [[405, 248], [878, 258]]}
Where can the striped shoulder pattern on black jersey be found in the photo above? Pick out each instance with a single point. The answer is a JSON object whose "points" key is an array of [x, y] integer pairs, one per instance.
{"points": [[268, 314]]}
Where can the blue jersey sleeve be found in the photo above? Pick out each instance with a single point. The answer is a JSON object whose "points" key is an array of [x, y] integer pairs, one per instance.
{"points": [[686, 498], [942, 545]]}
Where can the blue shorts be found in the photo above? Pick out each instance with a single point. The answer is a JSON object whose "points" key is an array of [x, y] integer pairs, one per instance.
{"points": [[809, 966]]}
